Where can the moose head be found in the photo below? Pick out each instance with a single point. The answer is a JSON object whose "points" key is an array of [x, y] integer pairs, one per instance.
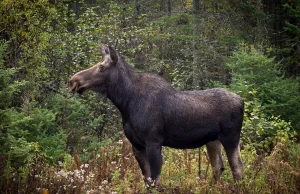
{"points": [[95, 78]]}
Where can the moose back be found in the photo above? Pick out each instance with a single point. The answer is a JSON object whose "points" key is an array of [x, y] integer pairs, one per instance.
{"points": [[155, 114]]}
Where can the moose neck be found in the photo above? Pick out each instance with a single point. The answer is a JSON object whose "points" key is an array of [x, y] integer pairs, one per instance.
{"points": [[121, 87]]}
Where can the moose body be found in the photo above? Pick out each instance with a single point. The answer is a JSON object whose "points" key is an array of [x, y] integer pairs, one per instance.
{"points": [[155, 114]]}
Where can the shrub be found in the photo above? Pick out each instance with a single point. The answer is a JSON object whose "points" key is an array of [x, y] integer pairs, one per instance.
{"points": [[252, 70], [263, 131]]}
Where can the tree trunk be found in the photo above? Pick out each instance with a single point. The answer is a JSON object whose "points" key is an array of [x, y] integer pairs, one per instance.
{"points": [[198, 69], [169, 7], [162, 6], [259, 36], [137, 7]]}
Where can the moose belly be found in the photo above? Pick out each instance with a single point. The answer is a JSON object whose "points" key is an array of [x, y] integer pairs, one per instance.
{"points": [[189, 140]]}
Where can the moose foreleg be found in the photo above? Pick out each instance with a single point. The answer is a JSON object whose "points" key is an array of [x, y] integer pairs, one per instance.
{"points": [[141, 157], [155, 161]]}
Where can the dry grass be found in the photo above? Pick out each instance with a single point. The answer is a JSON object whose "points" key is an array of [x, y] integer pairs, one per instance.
{"points": [[114, 170]]}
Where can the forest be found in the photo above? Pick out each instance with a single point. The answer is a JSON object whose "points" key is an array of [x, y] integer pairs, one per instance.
{"points": [[54, 142]]}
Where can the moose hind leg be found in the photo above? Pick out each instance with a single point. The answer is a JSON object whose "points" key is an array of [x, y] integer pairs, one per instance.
{"points": [[214, 149], [141, 157], [232, 150]]}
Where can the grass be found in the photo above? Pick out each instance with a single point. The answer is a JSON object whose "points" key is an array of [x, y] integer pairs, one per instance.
{"points": [[114, 170]]}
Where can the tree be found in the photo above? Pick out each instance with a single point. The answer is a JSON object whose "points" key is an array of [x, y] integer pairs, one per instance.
{"points": [[292, 26], [198, 67], [254, 71]]}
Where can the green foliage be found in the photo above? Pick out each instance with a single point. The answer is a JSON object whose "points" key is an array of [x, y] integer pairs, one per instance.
{"points": [[46, 135], [27, 140], [8, 87], [78, 120], [27, 27], [261, 131], [292, 27], [255, 73]]}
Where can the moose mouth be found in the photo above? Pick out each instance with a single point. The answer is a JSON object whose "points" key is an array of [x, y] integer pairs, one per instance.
{"points": [[81, 90], [76, 88]]}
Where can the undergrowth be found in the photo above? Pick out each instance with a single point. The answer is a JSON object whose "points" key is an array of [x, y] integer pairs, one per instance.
{"points": [[113, 170]]}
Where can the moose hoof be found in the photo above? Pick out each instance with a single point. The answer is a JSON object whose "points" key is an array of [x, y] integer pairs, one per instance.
{"points": [[149, 183], [153, 186]]}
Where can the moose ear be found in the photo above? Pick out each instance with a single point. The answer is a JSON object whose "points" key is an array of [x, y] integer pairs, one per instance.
{"points": [[113, 55], [109, 55], [103, 50]]}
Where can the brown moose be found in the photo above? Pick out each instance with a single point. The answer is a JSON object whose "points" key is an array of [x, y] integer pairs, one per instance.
{"points": [[155, 114]]}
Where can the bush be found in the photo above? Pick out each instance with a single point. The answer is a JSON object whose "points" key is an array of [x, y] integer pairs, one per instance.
{"points": [[254, 71], [262, 131]]}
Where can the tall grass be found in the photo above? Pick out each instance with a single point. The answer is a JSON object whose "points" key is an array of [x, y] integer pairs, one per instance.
{"points": [[113, 170]]}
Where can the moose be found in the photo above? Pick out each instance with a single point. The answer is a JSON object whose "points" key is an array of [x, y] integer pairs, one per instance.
{"points": [[154, 114]]}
